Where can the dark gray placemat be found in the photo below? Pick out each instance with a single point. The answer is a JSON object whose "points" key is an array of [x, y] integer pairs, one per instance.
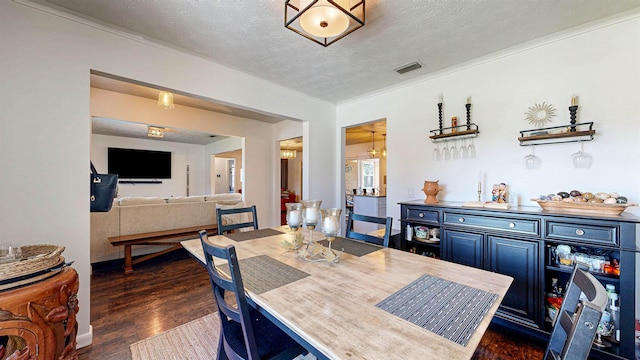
{"points": [[353, 247], [443, 307], [263, 273], [254, 234]]}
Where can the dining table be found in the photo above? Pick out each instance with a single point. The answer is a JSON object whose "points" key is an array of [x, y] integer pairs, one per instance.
{"points": [[373, 303]]}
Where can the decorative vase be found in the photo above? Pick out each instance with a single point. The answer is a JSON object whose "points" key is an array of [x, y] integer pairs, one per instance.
{"points": [[431, 189]]}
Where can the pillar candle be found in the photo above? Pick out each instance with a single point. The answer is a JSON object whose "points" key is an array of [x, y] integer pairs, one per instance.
{"points": [[311, 215], [574, 100], [294, 217], [440, 98], [330, 225], [480, 181], [468, 99]]}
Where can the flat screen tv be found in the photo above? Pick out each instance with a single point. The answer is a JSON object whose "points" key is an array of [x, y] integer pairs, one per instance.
{"points": [[139, 164]]}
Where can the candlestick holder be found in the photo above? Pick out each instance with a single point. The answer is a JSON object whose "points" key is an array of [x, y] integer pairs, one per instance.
{"points": [[572, 113], [468, 106], [440, 117], [479, 194]]}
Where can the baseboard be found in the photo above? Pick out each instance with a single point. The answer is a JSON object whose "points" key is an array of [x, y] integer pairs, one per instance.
{"points": [[85, 339]]}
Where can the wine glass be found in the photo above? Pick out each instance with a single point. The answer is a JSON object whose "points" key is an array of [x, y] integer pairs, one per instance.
{"points": [[531, 161], [331, 224], [472, 150], [581, 160], [436, 152], [454, 150], [464, 154], [446, 155]]}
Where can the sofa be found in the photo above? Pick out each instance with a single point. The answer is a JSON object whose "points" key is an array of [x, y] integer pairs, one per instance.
{"points": [[135, 215]]}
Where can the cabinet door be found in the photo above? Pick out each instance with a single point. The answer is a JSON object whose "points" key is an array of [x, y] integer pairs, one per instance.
{"points": [[462, 248], [519, 259]]}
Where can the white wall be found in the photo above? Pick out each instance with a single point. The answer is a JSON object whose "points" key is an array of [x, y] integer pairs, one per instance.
{"points": [[45, 130], [599, 64], [181, 156]]}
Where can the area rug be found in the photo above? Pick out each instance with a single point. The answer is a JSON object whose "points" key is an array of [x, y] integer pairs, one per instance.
{"points": [[194, 340]]}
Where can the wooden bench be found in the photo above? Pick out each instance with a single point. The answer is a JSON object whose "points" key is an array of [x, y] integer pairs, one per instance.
{"points": [[159, 238]]}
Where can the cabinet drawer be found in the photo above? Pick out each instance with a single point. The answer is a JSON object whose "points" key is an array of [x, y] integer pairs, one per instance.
{"points": [[422, 215], [595, 234], [521, 226]]}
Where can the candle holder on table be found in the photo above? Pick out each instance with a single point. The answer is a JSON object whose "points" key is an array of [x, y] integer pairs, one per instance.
{"points": [[311, 216], [331, 228], [440, 116], [294, 220]]}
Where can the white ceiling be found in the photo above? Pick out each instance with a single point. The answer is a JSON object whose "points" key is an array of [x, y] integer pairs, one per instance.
{"points": [[249, 35]]}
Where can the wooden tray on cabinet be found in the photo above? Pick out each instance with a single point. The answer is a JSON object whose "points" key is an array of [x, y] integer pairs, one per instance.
{"points": [[583, 208]]}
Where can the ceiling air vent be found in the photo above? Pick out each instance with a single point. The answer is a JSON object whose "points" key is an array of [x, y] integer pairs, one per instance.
{"points": [[408, 67]]}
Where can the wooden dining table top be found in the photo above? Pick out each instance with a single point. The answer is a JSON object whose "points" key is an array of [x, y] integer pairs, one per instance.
{"points": [[334, 308]]}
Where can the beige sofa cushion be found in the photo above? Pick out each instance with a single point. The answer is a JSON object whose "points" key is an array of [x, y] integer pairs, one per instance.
{"points": [[226, 199], [184, 199], [140, 200]]}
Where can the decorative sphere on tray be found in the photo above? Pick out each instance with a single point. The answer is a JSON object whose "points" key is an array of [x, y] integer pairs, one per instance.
{"points": [[586, 197]]}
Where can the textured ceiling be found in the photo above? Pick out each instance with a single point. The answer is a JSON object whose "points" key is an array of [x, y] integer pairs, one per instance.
{"points": [[249, 35]]}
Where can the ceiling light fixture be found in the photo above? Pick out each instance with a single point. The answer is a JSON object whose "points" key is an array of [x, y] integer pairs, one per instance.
{"points": [[324, 21], [383, 151], [373, 152], [165, 99], [156, 132], [287, 154]]}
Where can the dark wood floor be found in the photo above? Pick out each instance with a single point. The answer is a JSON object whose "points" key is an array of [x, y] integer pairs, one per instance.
{"points": [[174, 289]]}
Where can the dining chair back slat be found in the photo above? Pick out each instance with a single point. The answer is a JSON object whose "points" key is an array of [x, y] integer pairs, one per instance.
{"points": [[236, 218], [386, 222]]}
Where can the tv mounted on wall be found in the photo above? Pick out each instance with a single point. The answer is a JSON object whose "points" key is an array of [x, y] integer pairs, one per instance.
{"points": [[139, 164]]}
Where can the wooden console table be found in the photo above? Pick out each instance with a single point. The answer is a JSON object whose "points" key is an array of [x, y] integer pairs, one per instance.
{"points": [[157, 238], [39, 320]]}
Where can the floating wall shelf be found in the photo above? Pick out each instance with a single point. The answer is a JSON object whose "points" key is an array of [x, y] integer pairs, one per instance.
{"points": [[557, 134], [455, 132]]}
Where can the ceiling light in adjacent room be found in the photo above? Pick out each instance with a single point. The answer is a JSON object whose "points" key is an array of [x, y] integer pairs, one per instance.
{"points": [[324, 21], [373, 152], [165, 99], [156, 132], [288, 154]]}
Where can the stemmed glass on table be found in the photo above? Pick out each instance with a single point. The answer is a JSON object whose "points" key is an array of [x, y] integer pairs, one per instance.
{"points": [[331, 224], [294, 217], [311, 216]]}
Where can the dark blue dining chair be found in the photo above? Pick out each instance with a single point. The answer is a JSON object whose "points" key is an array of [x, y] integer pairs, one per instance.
{"points": [[224, 216], [575, 325], [386, 222], [245, 333]]}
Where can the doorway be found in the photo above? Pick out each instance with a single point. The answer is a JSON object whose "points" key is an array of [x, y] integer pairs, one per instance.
{"points": [[365, 166], [290, 174]]}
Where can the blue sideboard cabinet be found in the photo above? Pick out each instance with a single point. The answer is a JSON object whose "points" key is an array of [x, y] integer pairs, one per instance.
{"points": [[521, 242]]}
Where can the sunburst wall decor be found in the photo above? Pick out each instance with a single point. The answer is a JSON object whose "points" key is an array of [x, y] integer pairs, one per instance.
{"points": [[539, 114]]}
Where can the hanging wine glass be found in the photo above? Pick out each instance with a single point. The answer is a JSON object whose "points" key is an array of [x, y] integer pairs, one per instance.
{"points": [[531, 161], [436, 152], [581, 160], [446, 155], [471, 150], [454, 150], [464, 154]]}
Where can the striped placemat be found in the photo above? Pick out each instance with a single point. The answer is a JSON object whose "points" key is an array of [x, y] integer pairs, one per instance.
{"points": [[254, 234], [263, 273], [353, 247], [443, 307]]}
